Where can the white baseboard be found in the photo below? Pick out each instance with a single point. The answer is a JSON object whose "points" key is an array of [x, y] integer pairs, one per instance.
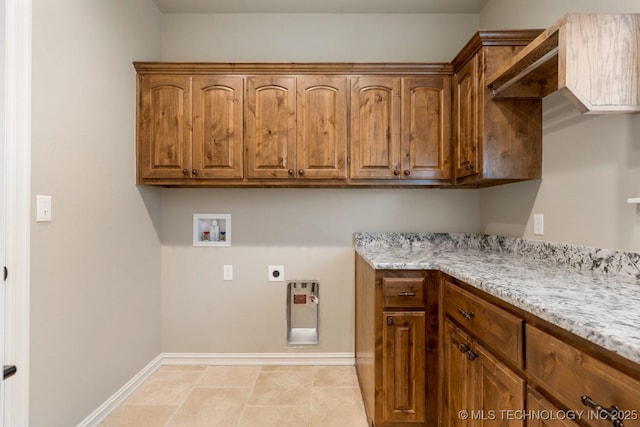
{"points": [[212, 359], [258, 359], [119, 396]]}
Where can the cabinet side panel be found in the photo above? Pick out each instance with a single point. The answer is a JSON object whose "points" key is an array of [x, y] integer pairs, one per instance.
{"points": [[365, 345], [512, 128]]}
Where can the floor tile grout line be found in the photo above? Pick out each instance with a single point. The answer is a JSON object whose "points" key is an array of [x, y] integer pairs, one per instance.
{"points": [[246, 404], [186, 396]]}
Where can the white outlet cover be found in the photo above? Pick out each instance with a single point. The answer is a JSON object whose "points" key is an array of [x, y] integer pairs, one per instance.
{"points": [[276, 273], [227, 272], [538, 224]]}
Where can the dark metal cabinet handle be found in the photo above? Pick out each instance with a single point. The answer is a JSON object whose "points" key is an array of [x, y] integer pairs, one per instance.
{"points": [[396, 172], [466, 315], [464, 349], [185, 172], [390, 321], [195, 172], [407, 172], [468, 166], [407, 294], [301, 172], [614, 413], [291, 172]]}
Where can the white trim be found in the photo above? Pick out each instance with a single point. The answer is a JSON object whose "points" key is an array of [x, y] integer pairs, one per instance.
{"points": [[212, 359], [18, 205], [258, 359], [119, 396]]}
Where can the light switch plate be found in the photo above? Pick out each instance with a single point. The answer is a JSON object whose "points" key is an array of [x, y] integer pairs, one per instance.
{"points": [[227, 273], [43, 208], [538, 224]]}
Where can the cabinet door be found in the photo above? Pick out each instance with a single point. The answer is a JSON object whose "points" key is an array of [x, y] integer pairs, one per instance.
{"points": [[426, 121], [536, 404], [466, 119], [322, 127], [496, 388], [375, 127], [164, 126], [403, 355], [456, 385], [271, 127], [217, 127]]}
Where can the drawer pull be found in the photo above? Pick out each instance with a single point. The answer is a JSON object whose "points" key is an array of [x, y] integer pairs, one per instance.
{"points": [[390, 321], [407, 294], [463, 348], [612, 413], [466, 315]]}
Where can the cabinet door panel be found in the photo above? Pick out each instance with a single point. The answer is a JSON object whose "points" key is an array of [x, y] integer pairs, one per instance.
{"points": [[426, 142], [217, 127], [456, 377], [403, 356], [536, 404], [496, 388], [164, 132], [271, 127], [322, 127], [466, 119], [375, 127]]}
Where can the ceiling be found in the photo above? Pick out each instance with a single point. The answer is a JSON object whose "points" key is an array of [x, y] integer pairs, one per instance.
{"points": [[320, 6]]}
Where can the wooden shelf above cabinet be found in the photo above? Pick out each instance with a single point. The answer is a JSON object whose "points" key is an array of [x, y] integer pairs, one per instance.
{"points": [[593, 59]]}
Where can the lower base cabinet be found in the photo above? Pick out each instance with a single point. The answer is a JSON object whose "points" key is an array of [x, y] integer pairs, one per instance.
{"points": [[479, 390], [396, 345]]}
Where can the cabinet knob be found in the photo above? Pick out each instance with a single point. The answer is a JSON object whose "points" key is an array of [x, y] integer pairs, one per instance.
{"points": [[468, 166], [471, 355], [291, 172], [390, 321], [396, 172], [407, 172], [195, 172], [185, 172], [463, 348], [301, 172]]}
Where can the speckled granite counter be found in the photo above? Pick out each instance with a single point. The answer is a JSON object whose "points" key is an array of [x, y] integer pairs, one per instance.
{"points": [[593, 293]]}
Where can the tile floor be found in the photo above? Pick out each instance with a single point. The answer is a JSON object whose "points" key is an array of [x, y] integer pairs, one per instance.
{"points": [[244, 396]]}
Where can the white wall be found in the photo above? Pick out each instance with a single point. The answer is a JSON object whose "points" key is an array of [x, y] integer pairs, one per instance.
{"points": [[591, 164], [309, 231], [95, 294]]}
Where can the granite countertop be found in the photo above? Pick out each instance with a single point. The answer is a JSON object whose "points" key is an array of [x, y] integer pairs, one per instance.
{"points": [[593, 293]]}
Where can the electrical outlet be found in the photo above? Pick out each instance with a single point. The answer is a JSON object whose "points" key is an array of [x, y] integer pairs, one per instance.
{"points": [[227, 272], [276, 273]]}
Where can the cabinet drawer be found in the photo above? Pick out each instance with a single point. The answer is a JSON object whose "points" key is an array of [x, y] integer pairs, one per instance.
{"points": [[403, 292], [568, 374], [496, 328]]}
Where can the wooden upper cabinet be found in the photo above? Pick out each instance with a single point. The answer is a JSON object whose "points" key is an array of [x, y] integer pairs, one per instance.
{"points": [[495, 141], [426, 122], [164, 126], [271, 127], [466, 119], [217, 127], [375, 127], [322, 127]]}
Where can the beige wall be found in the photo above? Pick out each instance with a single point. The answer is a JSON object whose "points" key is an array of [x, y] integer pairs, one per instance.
{"points": [[591, 164], [95, 294], [309, 231]]}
